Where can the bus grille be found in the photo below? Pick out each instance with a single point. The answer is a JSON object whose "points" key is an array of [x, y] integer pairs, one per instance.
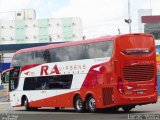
{"points": [[107, 96], [138, 72]]}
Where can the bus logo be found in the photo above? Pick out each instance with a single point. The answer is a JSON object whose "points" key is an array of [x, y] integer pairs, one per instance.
{"points": [[45, 71]]}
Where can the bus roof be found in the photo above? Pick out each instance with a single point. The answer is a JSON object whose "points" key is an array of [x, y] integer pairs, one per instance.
{"points": [[65, 44]]}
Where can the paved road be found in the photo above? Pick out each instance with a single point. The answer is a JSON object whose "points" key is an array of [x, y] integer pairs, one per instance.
{"points": [[151, 112], [4, 98]]}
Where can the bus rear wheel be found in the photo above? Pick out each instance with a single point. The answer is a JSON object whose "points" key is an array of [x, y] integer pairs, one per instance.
{"points": [[91, 104], [112, 109], [57, 108], [79, 104], [127, 108]]}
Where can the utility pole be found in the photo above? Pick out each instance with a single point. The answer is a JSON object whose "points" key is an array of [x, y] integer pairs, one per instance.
{"points": [[129, 17], [150, 4]]}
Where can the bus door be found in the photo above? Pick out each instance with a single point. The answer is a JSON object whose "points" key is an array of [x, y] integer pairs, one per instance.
{"points": [[13, 83], [14, 78]]}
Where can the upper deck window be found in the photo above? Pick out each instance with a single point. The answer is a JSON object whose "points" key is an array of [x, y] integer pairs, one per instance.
{"points": [[16, 61], [69, 53], [104, 49]]}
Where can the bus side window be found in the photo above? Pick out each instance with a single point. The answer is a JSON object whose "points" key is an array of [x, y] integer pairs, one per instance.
{"points": [[91, 50], [72, 52], [16, 61], [103, 49], [47, 56], [27, 58], [63, 54], [86, 51], [54, 55], [39, 58]]}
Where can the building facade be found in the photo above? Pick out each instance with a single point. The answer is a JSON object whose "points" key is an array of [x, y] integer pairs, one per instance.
{"points": [[27, 29]]}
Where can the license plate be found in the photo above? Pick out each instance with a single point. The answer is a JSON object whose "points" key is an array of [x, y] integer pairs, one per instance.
{"points": [[140, 92]]}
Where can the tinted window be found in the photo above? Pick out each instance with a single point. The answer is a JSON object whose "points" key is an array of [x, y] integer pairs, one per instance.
{"points": [[86, 51], [63, 54], [103, 49], [54, 55], [42, 56], [27, 58], [48, 82], [16, 61], [39, 57], [72, 52], [46, 56]]}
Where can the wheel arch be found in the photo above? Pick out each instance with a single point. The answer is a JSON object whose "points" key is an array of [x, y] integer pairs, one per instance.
{"points": [[88, 95]]}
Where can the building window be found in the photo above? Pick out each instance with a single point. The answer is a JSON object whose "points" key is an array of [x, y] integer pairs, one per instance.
{"points": [[152, 28]]}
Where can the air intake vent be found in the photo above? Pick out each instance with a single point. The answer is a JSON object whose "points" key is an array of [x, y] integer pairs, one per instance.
{"points": [[107, 96], [138, 72]]}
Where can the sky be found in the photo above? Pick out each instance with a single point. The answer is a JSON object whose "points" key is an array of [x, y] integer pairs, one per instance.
{"points": [[99, 17]]}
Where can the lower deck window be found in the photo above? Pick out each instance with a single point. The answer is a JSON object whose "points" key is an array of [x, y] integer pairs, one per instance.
{"points": [[48, 82]]}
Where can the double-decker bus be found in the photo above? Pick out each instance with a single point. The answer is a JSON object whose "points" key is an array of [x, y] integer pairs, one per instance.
{"points": [[107, 72]]}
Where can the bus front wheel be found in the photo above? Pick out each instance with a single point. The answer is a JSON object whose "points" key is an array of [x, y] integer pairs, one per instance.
{"points": [[26, 105], [79, 104]]}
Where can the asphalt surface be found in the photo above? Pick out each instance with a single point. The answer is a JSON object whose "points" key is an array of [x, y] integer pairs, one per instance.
{"points": [[148, 112]]}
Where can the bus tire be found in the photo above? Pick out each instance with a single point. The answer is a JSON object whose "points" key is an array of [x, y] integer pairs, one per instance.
{"points": [[57, 108], [26, 105], [112, 109], [91, 104], [79, 105], [127, 108], [34, 108]]}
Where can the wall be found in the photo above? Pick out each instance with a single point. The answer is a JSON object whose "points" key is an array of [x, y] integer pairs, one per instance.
{"points": [[40, 30]]}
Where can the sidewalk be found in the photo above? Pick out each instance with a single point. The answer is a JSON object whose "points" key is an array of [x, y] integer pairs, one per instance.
{"points": [[4, 91], [4, 95]]}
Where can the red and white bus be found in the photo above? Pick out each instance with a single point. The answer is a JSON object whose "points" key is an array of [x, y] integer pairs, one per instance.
{"points": [[106, 72]]}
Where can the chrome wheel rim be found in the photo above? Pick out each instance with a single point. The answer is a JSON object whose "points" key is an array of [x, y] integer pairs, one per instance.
{"points": [[25, 103], [79, 104], [92, 104]]}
